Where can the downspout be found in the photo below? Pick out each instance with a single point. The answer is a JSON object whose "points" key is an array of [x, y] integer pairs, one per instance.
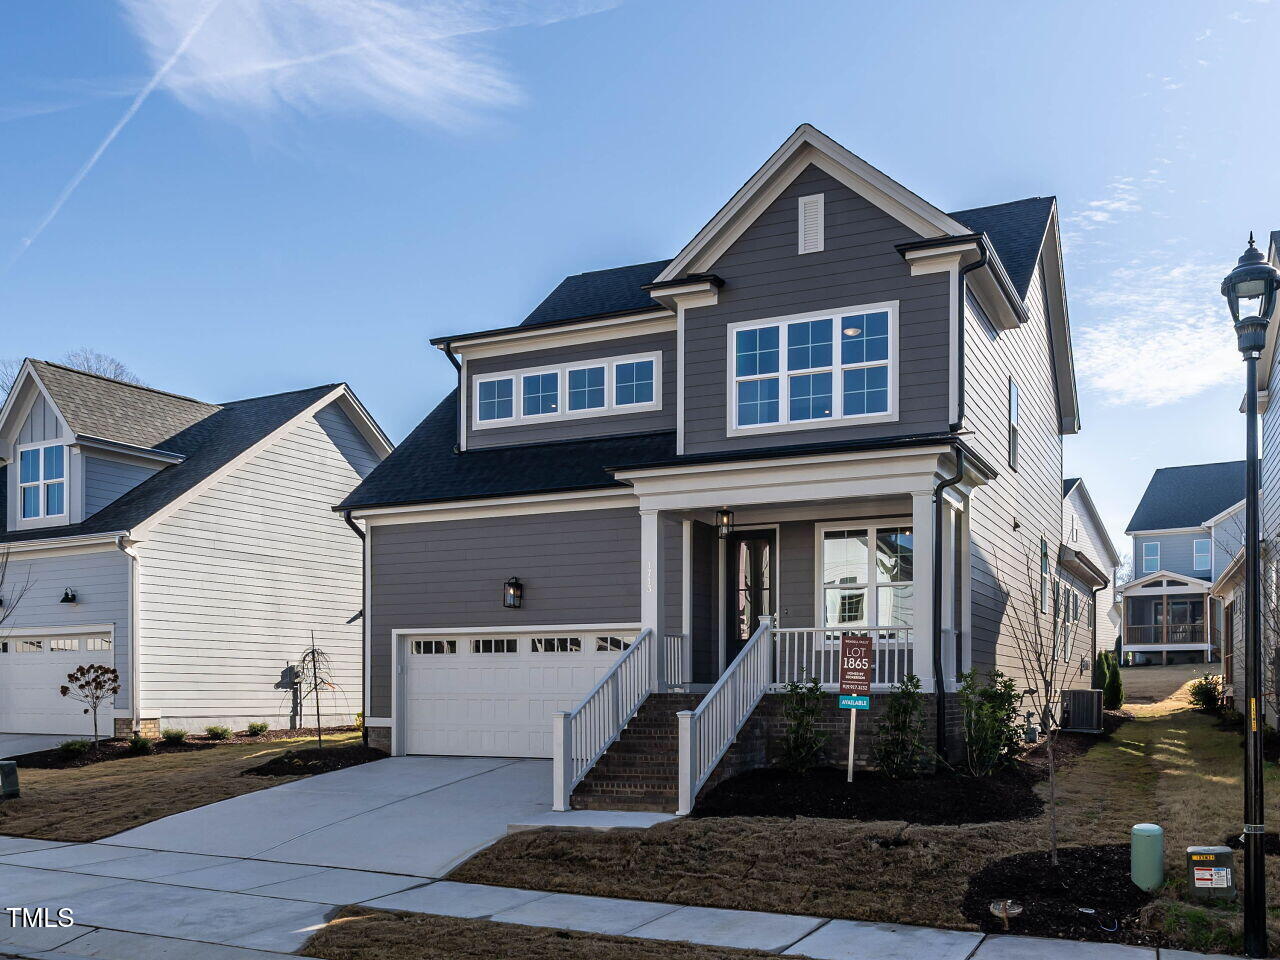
{"points": [[939, 681], [135, 647], [364, 627], [960, 298], [462, 414], [1094, 626]]}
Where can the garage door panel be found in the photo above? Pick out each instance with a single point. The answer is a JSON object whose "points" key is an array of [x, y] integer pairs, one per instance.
{"points": [[471, 703], [29, 682]]}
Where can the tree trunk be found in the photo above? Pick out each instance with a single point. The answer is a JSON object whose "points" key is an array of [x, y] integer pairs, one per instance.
{"points": [[94, 710], [315, 691]]}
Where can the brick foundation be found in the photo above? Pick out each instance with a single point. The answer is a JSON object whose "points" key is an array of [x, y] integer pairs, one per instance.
{"points": [[379, 738], [123, 728]]}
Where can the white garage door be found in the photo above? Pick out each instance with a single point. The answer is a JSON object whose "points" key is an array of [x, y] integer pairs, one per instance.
{"points": [[493, 696], [31, 671]]}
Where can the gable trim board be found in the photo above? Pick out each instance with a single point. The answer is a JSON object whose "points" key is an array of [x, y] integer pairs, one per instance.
{"points": [[26, 374], [1218, 518]]}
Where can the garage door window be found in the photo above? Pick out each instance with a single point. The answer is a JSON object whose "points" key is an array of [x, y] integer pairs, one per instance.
{"points": [[97, 643], [494, 645], [29, 646], [612, 644], [64, 643], [557, 644], [435, 646]]}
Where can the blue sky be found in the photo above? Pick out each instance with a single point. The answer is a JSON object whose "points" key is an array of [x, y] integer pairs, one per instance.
{"points": [[308, 191]]}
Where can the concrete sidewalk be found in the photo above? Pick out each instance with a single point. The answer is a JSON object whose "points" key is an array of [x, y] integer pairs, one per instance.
{"points": [[132, 903]]}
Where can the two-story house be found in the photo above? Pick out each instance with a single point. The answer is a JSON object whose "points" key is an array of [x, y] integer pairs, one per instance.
{"points": [[1086, 543], [1185, 531], [190, 545], [838, 409]]}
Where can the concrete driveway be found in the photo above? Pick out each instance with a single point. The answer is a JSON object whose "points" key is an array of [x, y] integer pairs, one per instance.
{"points": [[16, 744], [407, 815]]}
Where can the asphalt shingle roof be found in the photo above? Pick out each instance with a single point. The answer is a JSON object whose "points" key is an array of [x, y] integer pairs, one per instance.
{"points": [[107, 409], [208, 445], [1069, 484], [615, 290], [425, 468], [1188, 496], [1016, 230]]}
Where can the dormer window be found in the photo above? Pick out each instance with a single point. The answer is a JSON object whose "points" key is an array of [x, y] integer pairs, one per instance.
{"points": [[541, 394], [589, 388], [42, 476]]}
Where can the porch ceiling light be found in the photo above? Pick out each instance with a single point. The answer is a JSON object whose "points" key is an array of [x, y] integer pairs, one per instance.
{"points": [[724, 523], [512, 592], [68, 596]]}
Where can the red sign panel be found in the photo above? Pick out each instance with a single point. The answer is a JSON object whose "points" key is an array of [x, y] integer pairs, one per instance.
{"points": [[855, 665]]}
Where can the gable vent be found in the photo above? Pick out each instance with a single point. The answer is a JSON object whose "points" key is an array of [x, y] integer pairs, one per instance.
{"points": [[811, 223]]}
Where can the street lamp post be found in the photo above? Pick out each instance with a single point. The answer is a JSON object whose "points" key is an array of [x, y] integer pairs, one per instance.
{"points": [[1252, 279]]}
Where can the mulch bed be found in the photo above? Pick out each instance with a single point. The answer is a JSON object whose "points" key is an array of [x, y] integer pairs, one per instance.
{"points": [[1270, 843], [1095, 878], [943, 798], [313, 760], [116, 749]]}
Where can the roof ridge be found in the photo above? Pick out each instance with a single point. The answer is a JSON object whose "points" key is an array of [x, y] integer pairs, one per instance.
{"points": [[285, 393], [1192, 466], [1004, 203], [123, 383]]}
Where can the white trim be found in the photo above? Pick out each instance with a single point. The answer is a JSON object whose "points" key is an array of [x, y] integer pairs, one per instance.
{"points": [[524, 339], [42, 483], [1184, 584], [11, 401], [1194, 543], [377, 721], [1218, 518], [610, 499], [94, 543], [65, 630], [1157, 533], [836, 369], [611, 407], [1143, 555], [873, 601], [811, 213]]}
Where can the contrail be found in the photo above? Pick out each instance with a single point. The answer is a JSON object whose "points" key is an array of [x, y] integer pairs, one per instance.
{"points": [[138, 100]]}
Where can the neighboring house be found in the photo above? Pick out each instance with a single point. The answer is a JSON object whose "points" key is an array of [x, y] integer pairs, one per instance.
{"points": [[1086, 544], [1186, 530], [190, 545], [837, 410]]}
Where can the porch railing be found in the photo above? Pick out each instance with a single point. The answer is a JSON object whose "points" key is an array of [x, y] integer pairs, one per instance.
{"points": [[1145, 634], [581, 736], [707, 732], [677, 669], [801, 653]]}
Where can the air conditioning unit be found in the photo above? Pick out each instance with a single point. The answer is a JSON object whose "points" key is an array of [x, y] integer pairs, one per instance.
{"points": [[1082, 710]]}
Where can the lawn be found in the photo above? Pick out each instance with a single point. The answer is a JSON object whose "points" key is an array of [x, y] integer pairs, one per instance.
{"points": [[101, 799], [1170, 765]]}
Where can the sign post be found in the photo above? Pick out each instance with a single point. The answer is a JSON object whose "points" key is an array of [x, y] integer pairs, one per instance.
{"points": [[855, 684]]}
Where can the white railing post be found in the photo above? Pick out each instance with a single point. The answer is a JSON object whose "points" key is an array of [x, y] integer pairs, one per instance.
{"points": [[688, 760], [561, 760], [766, 641]]}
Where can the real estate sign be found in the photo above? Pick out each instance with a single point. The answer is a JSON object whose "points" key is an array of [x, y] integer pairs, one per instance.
{"points": [[855, 684]]}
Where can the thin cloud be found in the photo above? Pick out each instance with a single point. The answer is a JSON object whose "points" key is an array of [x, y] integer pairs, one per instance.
{"points": [[411, 61], [1165, 337], [1121, 197]]}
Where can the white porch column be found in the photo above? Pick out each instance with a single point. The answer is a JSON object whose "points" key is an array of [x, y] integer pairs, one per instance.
{"points": [[922, 631], [652, 588]]}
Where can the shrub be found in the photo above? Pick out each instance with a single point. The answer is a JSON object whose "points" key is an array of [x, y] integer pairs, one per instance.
{"points": [[360, 720], [1113, 688], [803, 742], [1101, 667], [899, 748], [73, 749], [173, 736], [139, 745], [1206, 694], [991, 731], [218, 733], [257, 728]]}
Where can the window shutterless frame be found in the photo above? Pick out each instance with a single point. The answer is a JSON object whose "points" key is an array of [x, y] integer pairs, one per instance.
{"points": [[564, 392], [806, 381], [1151, 557], [1201, 555], [42, 480]]}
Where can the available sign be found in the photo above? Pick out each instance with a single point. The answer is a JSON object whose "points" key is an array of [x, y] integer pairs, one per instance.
{"points": [[855, 703]]}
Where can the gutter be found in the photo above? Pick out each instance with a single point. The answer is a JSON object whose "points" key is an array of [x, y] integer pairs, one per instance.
{"points": [[364, 623], [135, 648], [961, 285], [939, 681], [447, 347]]}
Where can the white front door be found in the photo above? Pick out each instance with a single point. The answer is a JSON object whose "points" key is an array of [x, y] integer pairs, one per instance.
{"points": [[33, 668], [493, 695]]}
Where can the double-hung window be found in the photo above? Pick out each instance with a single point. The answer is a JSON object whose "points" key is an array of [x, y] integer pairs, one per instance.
{"points": [[1201, 555], [42, 486], [1044, 575], [1151, 557], [813, 370], [867, 576], [1013, 425]]}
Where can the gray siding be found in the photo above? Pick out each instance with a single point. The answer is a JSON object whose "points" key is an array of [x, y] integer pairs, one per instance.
{"points": [[1090, 541], [1009, 515], [579, 427], [765, 277], [1175, 553], [236, 582], [1228, 539], [106, 480], [41, 423], [577, 567], [100, 581]]}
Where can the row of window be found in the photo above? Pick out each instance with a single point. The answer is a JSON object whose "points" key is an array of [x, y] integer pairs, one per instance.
{"points": [[42, 476], [55, 644], [618, 385], [1201, 556], [512, 645]]}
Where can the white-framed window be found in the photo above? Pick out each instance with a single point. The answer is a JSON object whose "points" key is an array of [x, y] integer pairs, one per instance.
{"points": [[42, 481], [1201, 555], [29, 646], [613, 644], [866, 575], [588, 388], [836, 366], [557, 645], [64, 644], [430, 647], [1013, 425], [1151, 556], [495, 645], [1044, 575], [98, 643]]}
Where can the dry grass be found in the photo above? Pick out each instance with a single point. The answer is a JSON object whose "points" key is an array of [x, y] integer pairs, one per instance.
{"points": [[96, 801], [1169, 765], [358, 933], [1158, 682]]}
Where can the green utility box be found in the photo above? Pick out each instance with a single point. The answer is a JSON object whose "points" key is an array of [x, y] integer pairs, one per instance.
{"points": [[8, 780], [1146, 855], [1209, 873]]}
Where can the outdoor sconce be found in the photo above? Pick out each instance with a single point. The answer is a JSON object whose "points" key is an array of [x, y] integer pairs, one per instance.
{"points": [[512, 593], [724, 523], [1252, 279], [68, 596]]}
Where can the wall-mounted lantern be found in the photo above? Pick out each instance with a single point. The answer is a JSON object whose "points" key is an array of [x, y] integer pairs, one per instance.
{"points": [[68, 596], [512, 593], [724, 523]]}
